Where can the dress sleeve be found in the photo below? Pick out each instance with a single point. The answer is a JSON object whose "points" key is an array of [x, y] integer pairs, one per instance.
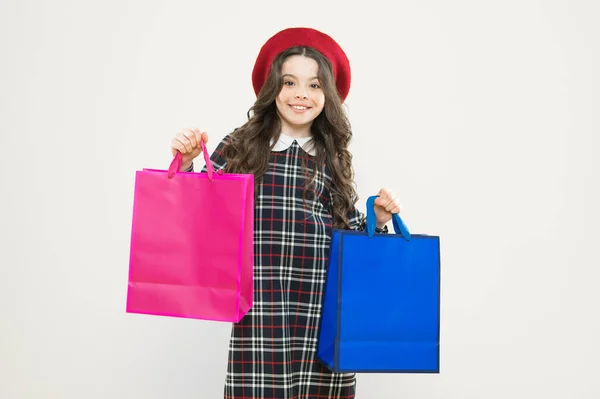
{"points": [[358, 220]]}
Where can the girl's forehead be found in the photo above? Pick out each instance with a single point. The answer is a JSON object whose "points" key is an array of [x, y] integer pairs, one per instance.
{"points": [[300, 65]]}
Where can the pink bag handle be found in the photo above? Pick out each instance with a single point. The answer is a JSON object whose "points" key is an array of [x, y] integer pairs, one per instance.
{"points": [[176, 163]]}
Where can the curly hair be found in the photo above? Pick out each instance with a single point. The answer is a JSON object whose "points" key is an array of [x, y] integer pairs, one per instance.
{"points": [[249, 144]]}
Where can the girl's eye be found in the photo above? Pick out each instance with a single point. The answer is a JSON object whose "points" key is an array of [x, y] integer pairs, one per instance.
{"points": [[315, 86], [288, 83]]}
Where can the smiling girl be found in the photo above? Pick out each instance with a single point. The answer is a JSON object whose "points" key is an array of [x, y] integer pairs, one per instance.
{"points": [[295, 142]]}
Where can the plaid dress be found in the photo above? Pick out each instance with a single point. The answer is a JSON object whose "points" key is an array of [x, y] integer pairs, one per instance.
{"points": [[272, 349]]}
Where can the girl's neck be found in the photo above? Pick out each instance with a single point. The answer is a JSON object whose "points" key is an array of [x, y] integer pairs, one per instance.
{"points": [[296, 134]]}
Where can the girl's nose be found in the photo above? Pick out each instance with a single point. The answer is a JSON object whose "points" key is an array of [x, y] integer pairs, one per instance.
{"points": [[302, 96]]}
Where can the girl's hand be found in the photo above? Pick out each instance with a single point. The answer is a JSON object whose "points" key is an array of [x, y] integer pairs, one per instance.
{"points": [[385, 205], [187, 141]]}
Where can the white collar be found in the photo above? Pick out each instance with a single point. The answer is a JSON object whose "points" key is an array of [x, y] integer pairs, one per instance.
{"points": [[286, 141]]}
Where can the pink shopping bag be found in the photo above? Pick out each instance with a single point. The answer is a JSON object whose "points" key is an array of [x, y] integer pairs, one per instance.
{"points": [[192, 239]]}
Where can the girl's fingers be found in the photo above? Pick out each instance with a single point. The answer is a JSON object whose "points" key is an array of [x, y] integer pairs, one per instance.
{"points": [[393, 205], [186, 145], [176, 145], [388, 201], [384, 193], [187, 141], [191, 136], [197, 137], [200, 136], [384, 198]]}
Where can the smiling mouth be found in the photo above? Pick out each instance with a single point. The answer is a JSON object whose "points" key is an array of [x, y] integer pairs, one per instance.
{"points": [[299, 107]]}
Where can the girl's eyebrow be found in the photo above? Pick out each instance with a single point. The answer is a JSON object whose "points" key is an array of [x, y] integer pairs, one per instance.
{"points": [[293, 76]]}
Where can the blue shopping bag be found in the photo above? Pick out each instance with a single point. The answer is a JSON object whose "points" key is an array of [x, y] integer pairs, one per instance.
{"points": [[381, 308]]}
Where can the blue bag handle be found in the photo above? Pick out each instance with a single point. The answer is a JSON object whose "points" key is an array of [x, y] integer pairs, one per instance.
{"points": [[399, 226]]}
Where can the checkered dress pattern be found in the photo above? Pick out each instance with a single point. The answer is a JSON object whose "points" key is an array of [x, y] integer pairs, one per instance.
{"points": [[272, 349]]}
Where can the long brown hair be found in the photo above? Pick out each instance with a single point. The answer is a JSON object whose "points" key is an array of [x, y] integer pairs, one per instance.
{"points": [[250, 144]]}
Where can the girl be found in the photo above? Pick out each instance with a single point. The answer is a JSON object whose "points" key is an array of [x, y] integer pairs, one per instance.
{"points": [[295, 142]]}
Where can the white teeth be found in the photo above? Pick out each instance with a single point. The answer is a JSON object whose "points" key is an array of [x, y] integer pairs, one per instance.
{"points": [[298, 107]]}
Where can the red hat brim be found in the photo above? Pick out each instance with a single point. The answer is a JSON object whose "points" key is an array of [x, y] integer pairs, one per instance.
{"points": [[307, 37]]}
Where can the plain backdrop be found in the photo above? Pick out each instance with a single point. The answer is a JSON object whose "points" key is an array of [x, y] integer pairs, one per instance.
{"points": [[482, 116]]}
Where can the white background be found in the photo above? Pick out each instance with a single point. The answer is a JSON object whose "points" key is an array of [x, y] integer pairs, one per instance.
{"points": [[481, 115]]}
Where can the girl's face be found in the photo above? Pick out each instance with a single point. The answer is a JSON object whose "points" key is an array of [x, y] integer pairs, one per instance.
{"points": [[301, 98]]}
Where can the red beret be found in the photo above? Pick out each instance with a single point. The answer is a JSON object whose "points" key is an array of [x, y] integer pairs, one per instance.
{"points": [[307, 37]]}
